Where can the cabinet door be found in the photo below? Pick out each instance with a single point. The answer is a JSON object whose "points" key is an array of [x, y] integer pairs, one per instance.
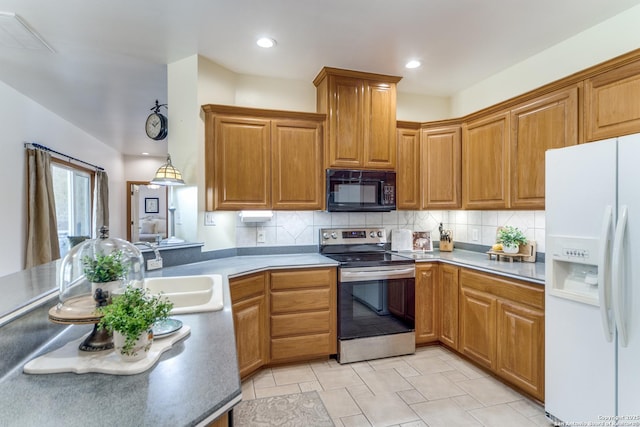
{"points": [[250, 322], [548, 122], [485, 157], [250, 332], [408, 171], [441, 168], [478, 326], [520, 344], [379, 125], [449, 294], [345, 148], [611, 103], [427, 312], [242, 163], [296, 164]]}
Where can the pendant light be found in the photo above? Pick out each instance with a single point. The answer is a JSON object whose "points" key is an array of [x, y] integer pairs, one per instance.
{"points": [[167, 174]]}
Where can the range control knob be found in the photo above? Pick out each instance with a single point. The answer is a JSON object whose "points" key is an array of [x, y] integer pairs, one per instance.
{"points": [[372, 234], [380, 233], [325, 235], [334, 236]]}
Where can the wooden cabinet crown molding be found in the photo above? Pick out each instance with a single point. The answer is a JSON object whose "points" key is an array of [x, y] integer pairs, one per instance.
{"points": [[326, 71], [261, 112]]}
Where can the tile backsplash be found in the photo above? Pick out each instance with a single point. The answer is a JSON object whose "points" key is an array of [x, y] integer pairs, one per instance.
{"points": [[289, 228]]}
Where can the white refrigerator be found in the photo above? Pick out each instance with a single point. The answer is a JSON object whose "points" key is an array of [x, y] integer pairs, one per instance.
{"points": [[592, 291]]}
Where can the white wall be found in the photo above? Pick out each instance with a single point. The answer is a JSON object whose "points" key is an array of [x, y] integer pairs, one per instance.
{"points": [[609, 39], [422, 108], [23, 120]]}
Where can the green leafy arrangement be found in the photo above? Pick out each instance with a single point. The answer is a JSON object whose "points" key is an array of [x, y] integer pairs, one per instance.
{"points": [[105, 268], [511, 236], [133, 313]]}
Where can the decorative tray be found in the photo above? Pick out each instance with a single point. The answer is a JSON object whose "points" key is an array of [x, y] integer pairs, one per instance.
{"points": [[69, 358]]}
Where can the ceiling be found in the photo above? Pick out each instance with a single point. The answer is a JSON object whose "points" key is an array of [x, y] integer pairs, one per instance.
{"points": [[110, 58]]}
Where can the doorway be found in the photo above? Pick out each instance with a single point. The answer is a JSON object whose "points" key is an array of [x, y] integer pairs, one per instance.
{"points": [[146, 212]]}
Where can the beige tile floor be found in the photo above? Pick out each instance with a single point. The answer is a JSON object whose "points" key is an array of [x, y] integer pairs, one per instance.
{"points": [[433, 387]]}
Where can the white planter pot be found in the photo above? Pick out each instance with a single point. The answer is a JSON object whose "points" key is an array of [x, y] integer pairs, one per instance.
{"points": [[140, 347], [513, 249]]}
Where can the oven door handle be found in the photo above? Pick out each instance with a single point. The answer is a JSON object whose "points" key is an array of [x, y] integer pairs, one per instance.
{"points": [[359, 276]]}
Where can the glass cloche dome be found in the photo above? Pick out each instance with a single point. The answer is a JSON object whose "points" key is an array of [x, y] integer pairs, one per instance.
{"points": [[90, 272]]}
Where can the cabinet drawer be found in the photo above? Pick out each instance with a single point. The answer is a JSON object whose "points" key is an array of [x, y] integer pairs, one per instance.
{"points": [[247, 286], [299, 324], [296, 301], [292, 279], [299, 347], [511, 289]]}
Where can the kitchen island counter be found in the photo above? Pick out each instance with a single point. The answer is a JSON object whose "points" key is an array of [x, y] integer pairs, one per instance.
{"points": [[193, 383]]}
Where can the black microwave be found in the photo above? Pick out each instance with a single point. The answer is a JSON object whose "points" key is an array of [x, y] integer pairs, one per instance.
{"points": [[360, 190]]}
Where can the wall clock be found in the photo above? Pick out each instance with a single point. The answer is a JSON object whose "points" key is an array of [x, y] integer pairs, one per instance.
{"points": [[156, 125]]}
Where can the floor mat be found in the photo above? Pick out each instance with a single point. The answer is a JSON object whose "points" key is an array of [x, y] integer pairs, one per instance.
{"points": [[292, 410]]}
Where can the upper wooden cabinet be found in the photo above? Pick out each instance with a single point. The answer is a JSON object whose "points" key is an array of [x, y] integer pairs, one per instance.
{"points": [[611, 102], [485, 157], [550, 121], [441, 167], [262, 159], [429, 171], [408, 170], [361, 110], [296, 164]]}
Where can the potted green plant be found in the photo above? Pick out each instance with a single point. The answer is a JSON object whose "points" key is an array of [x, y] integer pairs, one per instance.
{"points": [[511, 239], [106, 271], [130, 317]]}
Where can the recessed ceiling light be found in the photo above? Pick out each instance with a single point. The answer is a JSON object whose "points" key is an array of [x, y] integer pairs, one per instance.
{"points": [[266, 42], [414, 63], [145, 154]]}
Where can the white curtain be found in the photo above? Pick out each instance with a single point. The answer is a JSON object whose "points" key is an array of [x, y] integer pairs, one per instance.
{"points": [[100, 203], [42, 228]]}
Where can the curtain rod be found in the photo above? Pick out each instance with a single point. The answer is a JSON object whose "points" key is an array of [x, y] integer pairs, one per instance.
{"points": [[42, 147]]}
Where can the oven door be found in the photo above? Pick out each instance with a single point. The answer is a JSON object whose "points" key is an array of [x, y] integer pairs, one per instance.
{"points": [[375, 301]]}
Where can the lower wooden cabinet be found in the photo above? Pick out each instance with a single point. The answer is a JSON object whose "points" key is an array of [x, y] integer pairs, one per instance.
{"points": [[478, 326], [502, 328], [427, 310], [449, 290], [303, 317], [248, 297], [520, 346]]}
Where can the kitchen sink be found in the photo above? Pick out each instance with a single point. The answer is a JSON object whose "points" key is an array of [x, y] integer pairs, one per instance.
{"points": [[189, 294]]}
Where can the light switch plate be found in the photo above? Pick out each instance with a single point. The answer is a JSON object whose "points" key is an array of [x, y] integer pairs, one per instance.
{"points": [[209, 218], [261, 238]]}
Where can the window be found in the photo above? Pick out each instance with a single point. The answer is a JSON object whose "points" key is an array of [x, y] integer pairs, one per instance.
{"points": [[72, 187]]}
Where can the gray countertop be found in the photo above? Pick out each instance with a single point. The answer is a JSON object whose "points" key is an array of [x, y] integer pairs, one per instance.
{"points": [[194, 382], [529, 271]]}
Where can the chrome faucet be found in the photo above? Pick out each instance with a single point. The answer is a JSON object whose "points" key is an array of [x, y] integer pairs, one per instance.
{"points": [[152, 264]]}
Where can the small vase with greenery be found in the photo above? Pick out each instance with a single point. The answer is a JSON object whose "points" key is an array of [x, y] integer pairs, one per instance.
{"points": [[130, 317], [511, 239], [106, 271]]}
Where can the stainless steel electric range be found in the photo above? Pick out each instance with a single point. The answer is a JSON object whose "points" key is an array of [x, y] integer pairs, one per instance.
{"points": [[376, 294]]}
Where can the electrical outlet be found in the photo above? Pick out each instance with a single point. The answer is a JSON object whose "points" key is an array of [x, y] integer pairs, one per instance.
{"points": [[154, 264], [475, 235], [260, 236], [209, 218]]}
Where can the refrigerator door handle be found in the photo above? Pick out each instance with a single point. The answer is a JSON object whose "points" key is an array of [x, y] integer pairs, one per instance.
{"points": [[604, 277], [617, 275]]}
